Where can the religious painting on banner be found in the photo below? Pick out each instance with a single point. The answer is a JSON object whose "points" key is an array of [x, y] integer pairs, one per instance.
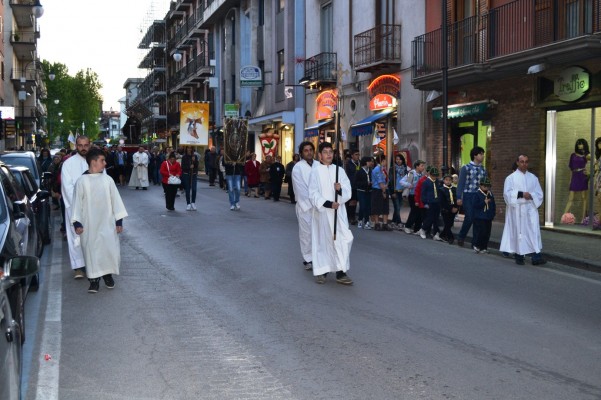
{"points": [[235, 138], [269, 143], [194, 124]]}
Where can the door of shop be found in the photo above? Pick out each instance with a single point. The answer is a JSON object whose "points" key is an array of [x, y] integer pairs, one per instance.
{"points": [[465, 136]]}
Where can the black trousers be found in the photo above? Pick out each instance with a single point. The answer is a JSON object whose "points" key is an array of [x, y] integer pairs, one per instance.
{"points": [[415, 218], [430, 224], [449, 220], [170, 192], [276, 190], [482, 229], [212, 175]]}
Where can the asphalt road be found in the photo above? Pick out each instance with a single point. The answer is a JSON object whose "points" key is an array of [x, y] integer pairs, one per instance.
{"points": [[215, 304]]}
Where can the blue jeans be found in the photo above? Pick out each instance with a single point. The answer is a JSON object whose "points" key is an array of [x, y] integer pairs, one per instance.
{"points": [[189, 187], [468, 200], [397, 202], [233, 188]]}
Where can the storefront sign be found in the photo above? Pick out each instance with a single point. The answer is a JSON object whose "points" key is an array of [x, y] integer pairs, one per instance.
{"points": [[231, 110], [462, 110], [326, 103], [382, 101], [251, 76], [572, 84]]}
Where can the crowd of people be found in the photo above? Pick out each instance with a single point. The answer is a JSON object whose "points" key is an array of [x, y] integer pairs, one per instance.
{"points": [[330, 196]]}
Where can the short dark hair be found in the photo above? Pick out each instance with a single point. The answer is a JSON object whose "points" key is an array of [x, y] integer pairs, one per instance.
{"points": [[172, 155], [475, 151], [324, 145], [365, 160], [93, 154], [418, 163], [303, 144]]}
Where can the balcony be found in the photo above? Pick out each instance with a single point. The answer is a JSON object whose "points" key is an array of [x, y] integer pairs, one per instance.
{"points": [[507, 40], [154, 59], [196, 70], [321, 69], [378, 49], [24, 44], [23, 12]]}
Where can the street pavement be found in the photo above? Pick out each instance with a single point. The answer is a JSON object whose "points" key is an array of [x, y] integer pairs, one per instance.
{"points": [[216, 304]]}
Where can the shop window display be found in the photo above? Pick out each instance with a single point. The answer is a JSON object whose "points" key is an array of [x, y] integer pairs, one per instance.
{"points": [[574, 158]]}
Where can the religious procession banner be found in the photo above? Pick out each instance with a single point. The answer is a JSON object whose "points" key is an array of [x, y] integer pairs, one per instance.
{"points": [[269, 143], [194, 124], [235, 138]]}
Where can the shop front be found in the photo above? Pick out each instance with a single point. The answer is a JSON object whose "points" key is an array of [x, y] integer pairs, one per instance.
{"points": [[324, 130], [273, 135], [573, 151], [376, 133]]}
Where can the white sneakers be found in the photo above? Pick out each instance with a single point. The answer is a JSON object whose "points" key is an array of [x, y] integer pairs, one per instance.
{"points": [[237, 206], [422, 233], [189, 207], [193, 206], [232, 208], [360, 225], [408, 230], [437, 238], [367, 226]]}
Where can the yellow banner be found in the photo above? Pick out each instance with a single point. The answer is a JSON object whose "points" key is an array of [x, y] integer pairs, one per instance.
{"points": [[194, 124]]}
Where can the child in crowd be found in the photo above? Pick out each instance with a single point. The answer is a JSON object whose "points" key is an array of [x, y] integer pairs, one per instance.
{"points": [[484, 209], [448, 207]]}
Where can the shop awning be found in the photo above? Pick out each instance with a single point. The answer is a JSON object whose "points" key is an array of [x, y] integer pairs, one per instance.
{"points": [[313, 130], [366, 126], [463, 110]]}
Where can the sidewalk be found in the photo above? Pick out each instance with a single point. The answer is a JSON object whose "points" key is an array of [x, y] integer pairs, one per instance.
{"points": [[572, 248]]}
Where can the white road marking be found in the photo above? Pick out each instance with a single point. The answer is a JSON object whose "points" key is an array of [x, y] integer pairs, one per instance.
{"points": [[48, 375]]}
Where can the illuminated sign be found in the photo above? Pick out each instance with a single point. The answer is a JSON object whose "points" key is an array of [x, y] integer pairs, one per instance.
{"points": [[326, 103], [572, 84], [382, 101]]}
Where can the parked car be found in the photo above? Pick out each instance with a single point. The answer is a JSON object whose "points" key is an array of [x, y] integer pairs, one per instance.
{"points": [[16, 269], [26, 159], [20, 208], [39, 199]]}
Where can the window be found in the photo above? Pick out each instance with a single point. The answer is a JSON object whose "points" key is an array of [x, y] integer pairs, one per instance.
{"points": [[281, 66], [281, 5], [326, 27]]}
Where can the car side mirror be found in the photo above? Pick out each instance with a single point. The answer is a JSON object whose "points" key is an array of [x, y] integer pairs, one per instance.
{"points": [[19, 210], [43, 194], [21, 267]]}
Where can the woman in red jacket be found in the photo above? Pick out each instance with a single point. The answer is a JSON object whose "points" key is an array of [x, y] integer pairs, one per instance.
{"points": [[251, 169], [170, 167]]}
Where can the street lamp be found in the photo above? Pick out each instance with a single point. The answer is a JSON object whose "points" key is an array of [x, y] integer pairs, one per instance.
{"points": [[38, 10]]}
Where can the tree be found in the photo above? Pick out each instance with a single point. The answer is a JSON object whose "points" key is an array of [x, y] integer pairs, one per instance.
{"points": [[79, 101]]}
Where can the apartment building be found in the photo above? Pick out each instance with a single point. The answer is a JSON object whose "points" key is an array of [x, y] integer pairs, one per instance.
{"points": [[523, 78], [23, 111]]}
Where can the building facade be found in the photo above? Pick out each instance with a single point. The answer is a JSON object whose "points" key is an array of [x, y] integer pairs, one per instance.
{"points": [[21, 97], [523, 79]]}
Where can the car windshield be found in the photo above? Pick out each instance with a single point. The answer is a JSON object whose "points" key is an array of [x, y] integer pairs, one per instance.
{"points": [[24, 161]]}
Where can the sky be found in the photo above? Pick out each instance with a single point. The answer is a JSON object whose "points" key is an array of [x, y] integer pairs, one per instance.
{"points": [[100, 35]]}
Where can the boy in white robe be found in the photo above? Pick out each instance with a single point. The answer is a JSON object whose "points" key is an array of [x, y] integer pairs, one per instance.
{"points": [[304, 209], [71, 170], [139, 173], [523, 195], [330, 253], [98, 212]]}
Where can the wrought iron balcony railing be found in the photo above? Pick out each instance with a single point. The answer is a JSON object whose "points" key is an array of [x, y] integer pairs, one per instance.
{"points": [[321, 67], [509, 29], [377, 46]]}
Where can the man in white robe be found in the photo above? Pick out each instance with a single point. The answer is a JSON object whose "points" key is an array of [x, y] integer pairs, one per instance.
{"points": [[304, 209], [139, 173], [523, 196], [71, 170], [330, 252], [97, 217]]}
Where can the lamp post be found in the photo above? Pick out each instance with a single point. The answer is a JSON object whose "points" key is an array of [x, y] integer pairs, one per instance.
{"points": [[445, 92]]}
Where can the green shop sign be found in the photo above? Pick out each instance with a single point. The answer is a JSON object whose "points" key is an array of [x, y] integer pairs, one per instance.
{"points": [[571, 84], [462, 110]]}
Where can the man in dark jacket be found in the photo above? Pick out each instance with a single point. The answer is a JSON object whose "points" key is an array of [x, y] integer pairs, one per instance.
{"points": [[211, 163], [276, 177], [430, 197], [351, 167], [363, 185]]}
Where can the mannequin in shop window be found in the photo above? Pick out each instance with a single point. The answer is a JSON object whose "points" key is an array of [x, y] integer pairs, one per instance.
{"points": [[579, 181]]}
